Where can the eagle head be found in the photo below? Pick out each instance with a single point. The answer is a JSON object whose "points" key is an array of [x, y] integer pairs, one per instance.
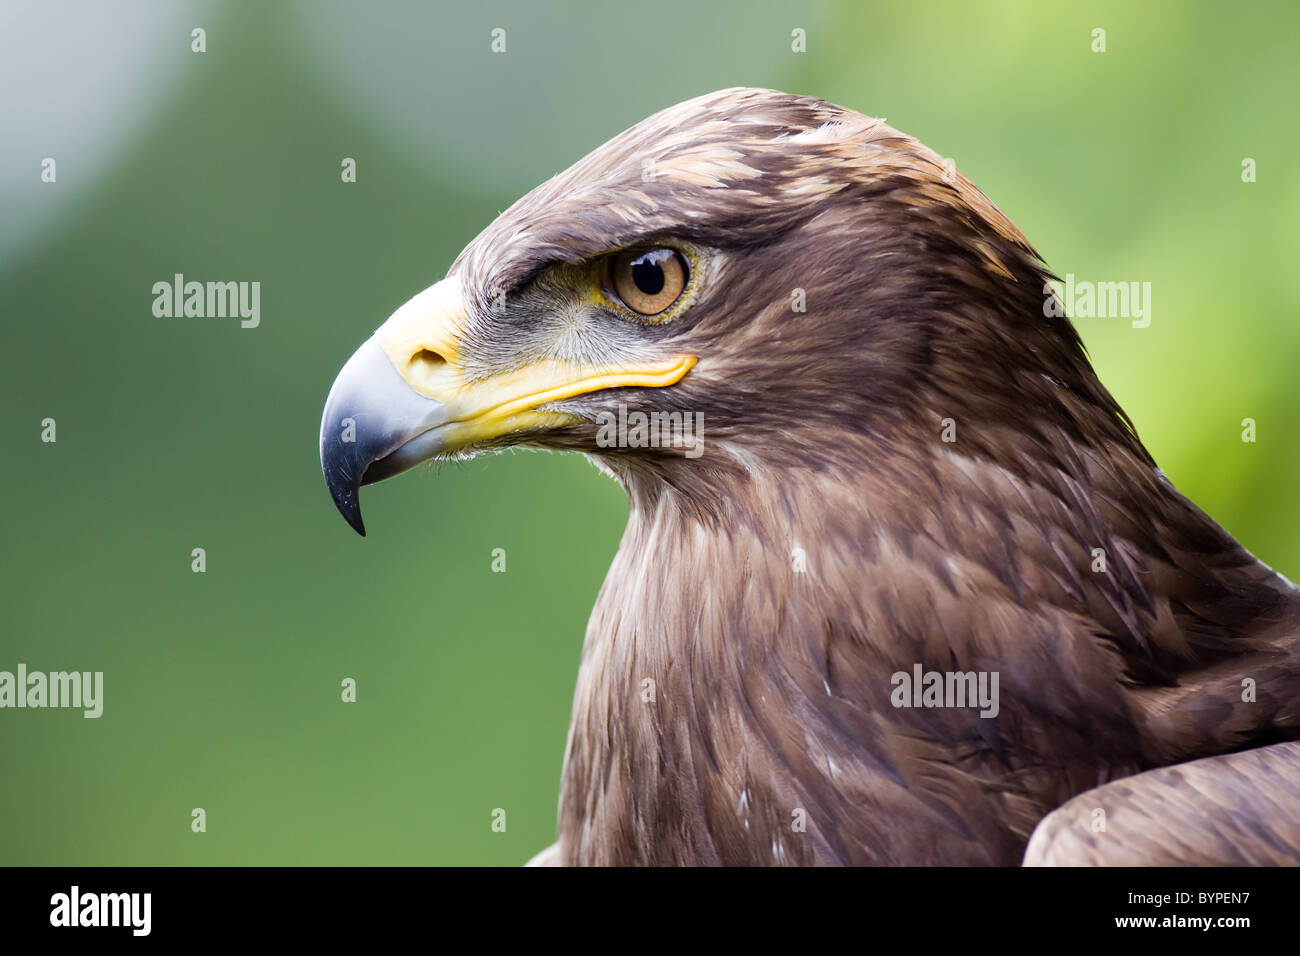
{"points": [[861, 440], [749, 269]]}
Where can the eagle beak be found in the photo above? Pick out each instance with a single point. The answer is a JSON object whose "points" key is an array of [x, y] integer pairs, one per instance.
{"points": [[374, 426], [404, 396]]}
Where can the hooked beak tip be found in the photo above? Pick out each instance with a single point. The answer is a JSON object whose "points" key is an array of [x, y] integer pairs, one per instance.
{"points": [[346, 494], [374, 426]]}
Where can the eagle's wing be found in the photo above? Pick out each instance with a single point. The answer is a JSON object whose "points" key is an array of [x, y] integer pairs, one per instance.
{"points": [[1240, 809]]}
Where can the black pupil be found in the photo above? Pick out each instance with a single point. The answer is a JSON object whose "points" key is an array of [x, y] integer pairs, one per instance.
{"points": [[648, 276]]}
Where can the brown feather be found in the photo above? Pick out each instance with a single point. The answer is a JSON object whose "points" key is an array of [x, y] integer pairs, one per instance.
{"points": [[1235, 810]]}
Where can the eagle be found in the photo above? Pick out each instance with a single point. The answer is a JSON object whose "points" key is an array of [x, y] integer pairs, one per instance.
{"points": [[872, 475]]}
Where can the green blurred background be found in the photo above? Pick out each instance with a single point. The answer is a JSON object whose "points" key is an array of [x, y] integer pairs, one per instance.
{"points": [[223, 689]]}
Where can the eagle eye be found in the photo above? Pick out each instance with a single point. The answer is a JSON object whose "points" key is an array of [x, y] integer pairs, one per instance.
{"points": [[648, 281]]}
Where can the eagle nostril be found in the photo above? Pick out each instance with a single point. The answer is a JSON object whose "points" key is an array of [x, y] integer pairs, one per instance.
{"points": [[427, 364], [426, 368], [427, 360]]}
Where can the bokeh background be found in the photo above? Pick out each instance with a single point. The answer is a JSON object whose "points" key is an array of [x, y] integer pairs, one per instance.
{"points": [[223, 688]]}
